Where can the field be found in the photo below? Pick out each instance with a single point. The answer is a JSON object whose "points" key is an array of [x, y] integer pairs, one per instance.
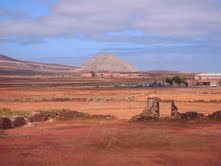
{"points": [[123, 103], [84, 143], [115, 142]]}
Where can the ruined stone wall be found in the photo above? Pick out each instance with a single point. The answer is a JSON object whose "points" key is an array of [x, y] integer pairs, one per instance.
{"points": [[153, 107], [152, 110], [174, 109]]}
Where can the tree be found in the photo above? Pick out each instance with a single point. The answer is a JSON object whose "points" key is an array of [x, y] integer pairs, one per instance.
{"points": [[169, 81], [177, 79], [93, 74]]}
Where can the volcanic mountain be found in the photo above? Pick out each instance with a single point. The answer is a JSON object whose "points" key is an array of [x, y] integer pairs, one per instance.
{"points": [[108, 63]]}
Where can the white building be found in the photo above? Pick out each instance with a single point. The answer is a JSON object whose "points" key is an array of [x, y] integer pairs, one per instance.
{"points": [[209, 79], [208, 76]]}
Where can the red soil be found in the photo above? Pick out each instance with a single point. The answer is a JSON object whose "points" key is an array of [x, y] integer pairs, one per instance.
{"points": [[83, 143]]}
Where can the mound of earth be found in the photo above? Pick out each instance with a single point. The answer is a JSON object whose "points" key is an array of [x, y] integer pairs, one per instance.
{"points": [[41, 116], [38, 117], [65, 115], [58, 114], [108, 63], [68, 115], [5, 123], [142, 118], [18, 121]]}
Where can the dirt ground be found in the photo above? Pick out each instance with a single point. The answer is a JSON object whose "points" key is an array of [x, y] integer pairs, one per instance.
{"points": [[108, 143], [99, 143], [123, 103]]}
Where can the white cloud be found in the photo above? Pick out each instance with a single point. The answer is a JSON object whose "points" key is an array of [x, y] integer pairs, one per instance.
{"points": [[180, 18]]}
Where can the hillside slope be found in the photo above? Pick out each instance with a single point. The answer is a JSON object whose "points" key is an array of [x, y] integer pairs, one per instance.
{"points": [[6, 58], [12, 66]]}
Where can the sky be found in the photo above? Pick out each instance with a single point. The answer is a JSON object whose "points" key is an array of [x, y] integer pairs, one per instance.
{"points": [[183, 35]]}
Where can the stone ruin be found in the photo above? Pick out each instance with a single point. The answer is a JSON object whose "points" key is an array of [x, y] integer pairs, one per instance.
{"points": [[153, 108], [174, 110], [152, 111]]}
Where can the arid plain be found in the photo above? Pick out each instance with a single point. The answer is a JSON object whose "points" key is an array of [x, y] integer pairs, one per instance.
{"points": [[107, 142], [121, 102]]}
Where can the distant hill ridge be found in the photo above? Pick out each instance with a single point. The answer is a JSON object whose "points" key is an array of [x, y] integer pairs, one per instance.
{"points": [[12, 66], [6, 58], [108, 63]]}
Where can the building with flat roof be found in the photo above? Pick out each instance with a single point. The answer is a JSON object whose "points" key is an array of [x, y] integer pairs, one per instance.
{"points": [[208, 76], [207, 79]]}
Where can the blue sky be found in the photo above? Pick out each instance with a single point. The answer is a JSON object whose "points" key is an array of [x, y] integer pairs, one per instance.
{"points": [[180, 35]]}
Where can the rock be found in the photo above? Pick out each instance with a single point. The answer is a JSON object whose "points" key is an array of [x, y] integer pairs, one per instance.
{"points": [[105, 117], [3, 134], [215, 115], [38, 117], [18, 121], [151, 112], [5, 123], [174, 110], [192, 116], [178, 116], [153, 108]]}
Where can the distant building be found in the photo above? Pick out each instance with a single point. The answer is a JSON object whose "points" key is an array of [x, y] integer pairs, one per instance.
{"points": [[208, 76], [112, 75], [207, 79]]}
